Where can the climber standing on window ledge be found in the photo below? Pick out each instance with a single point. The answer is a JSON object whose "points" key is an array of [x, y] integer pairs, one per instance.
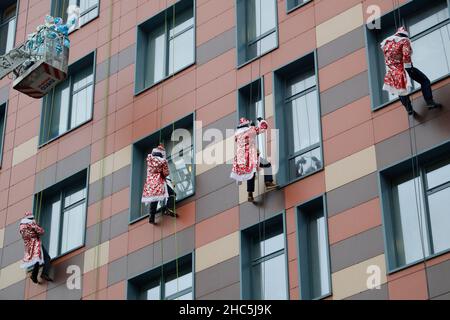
{"points": [[398, 58], [156, 187], [35, 254], [246, 161]]}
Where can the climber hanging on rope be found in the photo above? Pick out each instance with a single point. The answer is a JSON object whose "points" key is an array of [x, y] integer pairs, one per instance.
{"points": [[35, 254], [158, 185], [398, 58], [246, 161]]}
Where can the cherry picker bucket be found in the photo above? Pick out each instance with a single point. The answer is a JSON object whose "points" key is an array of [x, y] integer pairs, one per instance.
{"points": [[48, 68]]}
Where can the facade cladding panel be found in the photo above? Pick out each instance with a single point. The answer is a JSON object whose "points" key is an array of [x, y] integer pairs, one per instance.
{"points": [[357, 209]]}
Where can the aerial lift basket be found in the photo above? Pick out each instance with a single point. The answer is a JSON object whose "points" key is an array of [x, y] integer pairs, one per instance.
{"points": [[47, 67]]}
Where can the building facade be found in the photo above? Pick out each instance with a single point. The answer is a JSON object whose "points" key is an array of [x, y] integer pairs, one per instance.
{"points": [[361, 212]]}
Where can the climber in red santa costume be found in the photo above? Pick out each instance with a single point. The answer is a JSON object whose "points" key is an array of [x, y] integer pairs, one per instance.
{"points": [[246, 164], [35, 254], [157, 187], [398, 58]]}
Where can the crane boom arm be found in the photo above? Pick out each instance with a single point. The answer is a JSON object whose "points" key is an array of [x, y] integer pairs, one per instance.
{"points": [[13, 59]]}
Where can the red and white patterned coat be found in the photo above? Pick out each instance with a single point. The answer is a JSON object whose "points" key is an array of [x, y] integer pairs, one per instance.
{"points": [[155, 187], [31, 234], [245, 161], [397, 54]]}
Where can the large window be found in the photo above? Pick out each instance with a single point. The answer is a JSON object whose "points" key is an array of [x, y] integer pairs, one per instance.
{"points": [[315, 276], [257, 28], [166, 44], [8, 12], [416, 203], [264, 269], [298, 119], [251, 106], [294, 4], [2, 129], [61, 211], [429, 27], [88, 9], [173, 281], [70, 104], [178, 140]]}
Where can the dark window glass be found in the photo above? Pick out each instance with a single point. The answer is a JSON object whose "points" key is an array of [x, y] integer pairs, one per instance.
{"points": [[313, 248], [88, 9], [417, 217], [2, 128], [264, 261], [62, 212], [257, 28], [167, 43], [173, 281], [70, 103], [291, 4], [7, 25]]}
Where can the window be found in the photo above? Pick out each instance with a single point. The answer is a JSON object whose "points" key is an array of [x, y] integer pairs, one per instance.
{"points": [[251, 106], [415, 204], [2, 128], [315, 276], [61, 211], [256, 28], [70, 104], [166, 44], [428, 23], [264, 268], [178, 141], [88, 9], [298, 119], [173, 281], [8, 12], [294, 4]]}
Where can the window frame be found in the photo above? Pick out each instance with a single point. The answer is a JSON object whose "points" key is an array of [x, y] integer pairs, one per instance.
{"points": [[279, 104], [298, 211], [242, 106], [131, 288], [245, 256], [425, 159], [376, 75], [15, 26], [142, 41], [46, 100], [298, 6], [241, 28], [137, 178], [3, 106], [63, 185], [55, 7]]}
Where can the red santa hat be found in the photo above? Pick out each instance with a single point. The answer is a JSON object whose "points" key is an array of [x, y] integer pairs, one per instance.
{"points": [[243, 122], [402, 31], [160, 149]]}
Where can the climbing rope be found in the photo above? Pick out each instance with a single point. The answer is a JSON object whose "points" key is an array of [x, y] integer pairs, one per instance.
{"points": [[415, 166]]}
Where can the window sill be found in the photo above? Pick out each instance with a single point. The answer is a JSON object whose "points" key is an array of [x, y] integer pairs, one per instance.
{"points": [[412, 264], [138, 92], [136, 220], [240, 66], [288, 11], [386, 104], [65, 133], [284, 185]]}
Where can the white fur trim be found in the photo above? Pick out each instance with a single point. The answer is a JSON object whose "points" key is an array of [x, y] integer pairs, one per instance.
{"points": [[395, 91], [27, 221], [242, 130], [242, 177]]}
